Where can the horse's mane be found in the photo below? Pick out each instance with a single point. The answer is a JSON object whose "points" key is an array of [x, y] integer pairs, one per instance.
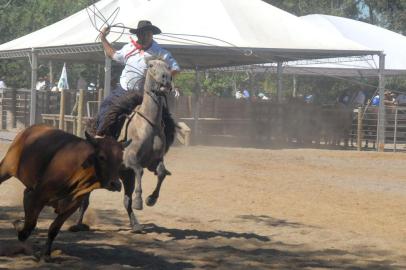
{"points": [[122, 106]]}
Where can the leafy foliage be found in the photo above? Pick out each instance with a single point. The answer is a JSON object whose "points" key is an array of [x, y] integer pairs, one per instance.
{"points": [[21, 17]]}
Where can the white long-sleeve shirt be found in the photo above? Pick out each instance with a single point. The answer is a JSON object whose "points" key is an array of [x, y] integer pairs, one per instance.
{"points": [[135, 66]]}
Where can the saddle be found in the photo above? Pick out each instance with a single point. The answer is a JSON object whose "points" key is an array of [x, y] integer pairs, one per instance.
{"points": [[124, 129], [123, 110]]}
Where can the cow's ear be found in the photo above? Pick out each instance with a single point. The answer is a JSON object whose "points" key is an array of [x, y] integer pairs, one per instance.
{"points": [[89, 162], [90, 139]]}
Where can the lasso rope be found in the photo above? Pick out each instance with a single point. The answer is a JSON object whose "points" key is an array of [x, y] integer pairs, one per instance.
{"points": [[99, 21]]}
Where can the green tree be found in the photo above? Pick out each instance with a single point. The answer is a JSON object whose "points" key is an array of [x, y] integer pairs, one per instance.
{"points": [[21, 17]]}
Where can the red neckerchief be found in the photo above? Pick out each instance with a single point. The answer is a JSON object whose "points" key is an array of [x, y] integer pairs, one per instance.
{"points": [[137, 46]]}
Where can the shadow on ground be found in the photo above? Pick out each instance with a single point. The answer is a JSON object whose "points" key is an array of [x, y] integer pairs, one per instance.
{"points": [[172, 248], [270, 221]]}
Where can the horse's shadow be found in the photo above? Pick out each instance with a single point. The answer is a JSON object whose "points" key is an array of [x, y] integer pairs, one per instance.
{"points": [[271, 221], [191, 248], [179, 234], [95, 255]]}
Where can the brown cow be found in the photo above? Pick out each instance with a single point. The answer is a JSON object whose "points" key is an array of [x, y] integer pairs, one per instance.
{"points": [[58, 169]]}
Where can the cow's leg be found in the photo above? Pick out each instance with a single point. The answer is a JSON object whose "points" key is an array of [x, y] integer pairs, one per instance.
{"points": [[32, 208], [55, 228], [4, 175], [128, 178], [161, 172], [80, 226], [138, 188]]}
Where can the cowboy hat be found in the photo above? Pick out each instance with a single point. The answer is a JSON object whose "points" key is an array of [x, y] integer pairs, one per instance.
{"points": [[145, 26]]}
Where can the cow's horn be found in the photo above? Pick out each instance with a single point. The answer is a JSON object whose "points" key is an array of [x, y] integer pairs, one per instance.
{"points": [[126, 143], [89, 138]]}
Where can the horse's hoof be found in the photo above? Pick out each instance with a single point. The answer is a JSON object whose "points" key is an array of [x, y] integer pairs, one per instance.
{"points": [[151, 201], [138, 228], [18, 225], [43, 258], [37, 256], [79, 228], [137, 204]]}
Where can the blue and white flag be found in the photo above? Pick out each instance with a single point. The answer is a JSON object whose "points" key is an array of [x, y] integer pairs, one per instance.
{"points": [[63, 80]]}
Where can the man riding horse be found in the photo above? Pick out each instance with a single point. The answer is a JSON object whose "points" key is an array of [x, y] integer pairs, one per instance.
{"points": [[133, 56], [150, 127]]}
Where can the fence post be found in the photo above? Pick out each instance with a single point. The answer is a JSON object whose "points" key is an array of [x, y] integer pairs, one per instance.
{"points": [[62, 111], [196, 112], [359, 129], [100, 99], [80, 112], [47, 102], [13, 110], [26, 110], [396, 130], [1, 108]]}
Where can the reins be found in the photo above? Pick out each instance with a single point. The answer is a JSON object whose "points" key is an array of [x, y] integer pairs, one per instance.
{"points": [[155, 97]]}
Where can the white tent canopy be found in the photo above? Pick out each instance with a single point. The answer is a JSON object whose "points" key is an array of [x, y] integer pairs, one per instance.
{"points": [[392, 44], [206, 33], [238, 32]]}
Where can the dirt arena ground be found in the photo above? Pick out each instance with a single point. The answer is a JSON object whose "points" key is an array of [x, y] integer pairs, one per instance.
{"points": [[233, 208]]}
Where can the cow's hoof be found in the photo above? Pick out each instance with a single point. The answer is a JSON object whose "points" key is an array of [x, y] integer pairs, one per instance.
{"points": [[151, 200], [137, 204], [138, 228], [79, 228]]}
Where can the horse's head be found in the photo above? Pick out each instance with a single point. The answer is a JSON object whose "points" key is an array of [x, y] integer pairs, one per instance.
{"points": [[160, 74]]}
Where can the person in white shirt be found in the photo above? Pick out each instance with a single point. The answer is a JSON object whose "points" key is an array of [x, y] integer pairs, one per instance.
{"points": [[358, 99], [133, 56], [40, 84], [400, 100], [2, 84]]}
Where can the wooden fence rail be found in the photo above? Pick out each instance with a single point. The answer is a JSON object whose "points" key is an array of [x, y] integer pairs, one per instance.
{"points": [[213, 120]]}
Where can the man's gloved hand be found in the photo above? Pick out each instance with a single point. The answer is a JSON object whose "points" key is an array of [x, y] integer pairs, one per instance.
{"points": [[104, 32]]}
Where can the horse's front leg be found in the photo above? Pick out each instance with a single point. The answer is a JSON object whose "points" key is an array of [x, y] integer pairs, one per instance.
{"points": [[128, 179], [161, 172], [137, 204]]}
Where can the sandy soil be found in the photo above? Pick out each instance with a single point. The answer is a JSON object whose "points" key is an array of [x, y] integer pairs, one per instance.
{"points": [[232, 208]]}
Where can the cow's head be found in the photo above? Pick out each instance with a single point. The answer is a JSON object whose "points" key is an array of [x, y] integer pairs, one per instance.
{"points": [[107, 160]]}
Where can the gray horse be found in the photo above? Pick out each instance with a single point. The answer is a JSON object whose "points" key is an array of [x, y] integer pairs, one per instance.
{"points": [[149, 143]]}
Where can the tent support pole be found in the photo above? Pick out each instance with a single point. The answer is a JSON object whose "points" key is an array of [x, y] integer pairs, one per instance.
{"points": [[33, 103], [381, 111], [51, 73], [107, 76], [294, 86], [279, 70]]}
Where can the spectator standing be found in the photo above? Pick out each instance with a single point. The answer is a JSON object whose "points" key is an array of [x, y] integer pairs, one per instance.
{"points": [[238, 94], [246, 94], [81, 83], [358, 99], [400, 99], [2, 83]]}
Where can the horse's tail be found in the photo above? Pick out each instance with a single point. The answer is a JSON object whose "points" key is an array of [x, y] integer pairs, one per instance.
{"points": [[169, 127]]}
